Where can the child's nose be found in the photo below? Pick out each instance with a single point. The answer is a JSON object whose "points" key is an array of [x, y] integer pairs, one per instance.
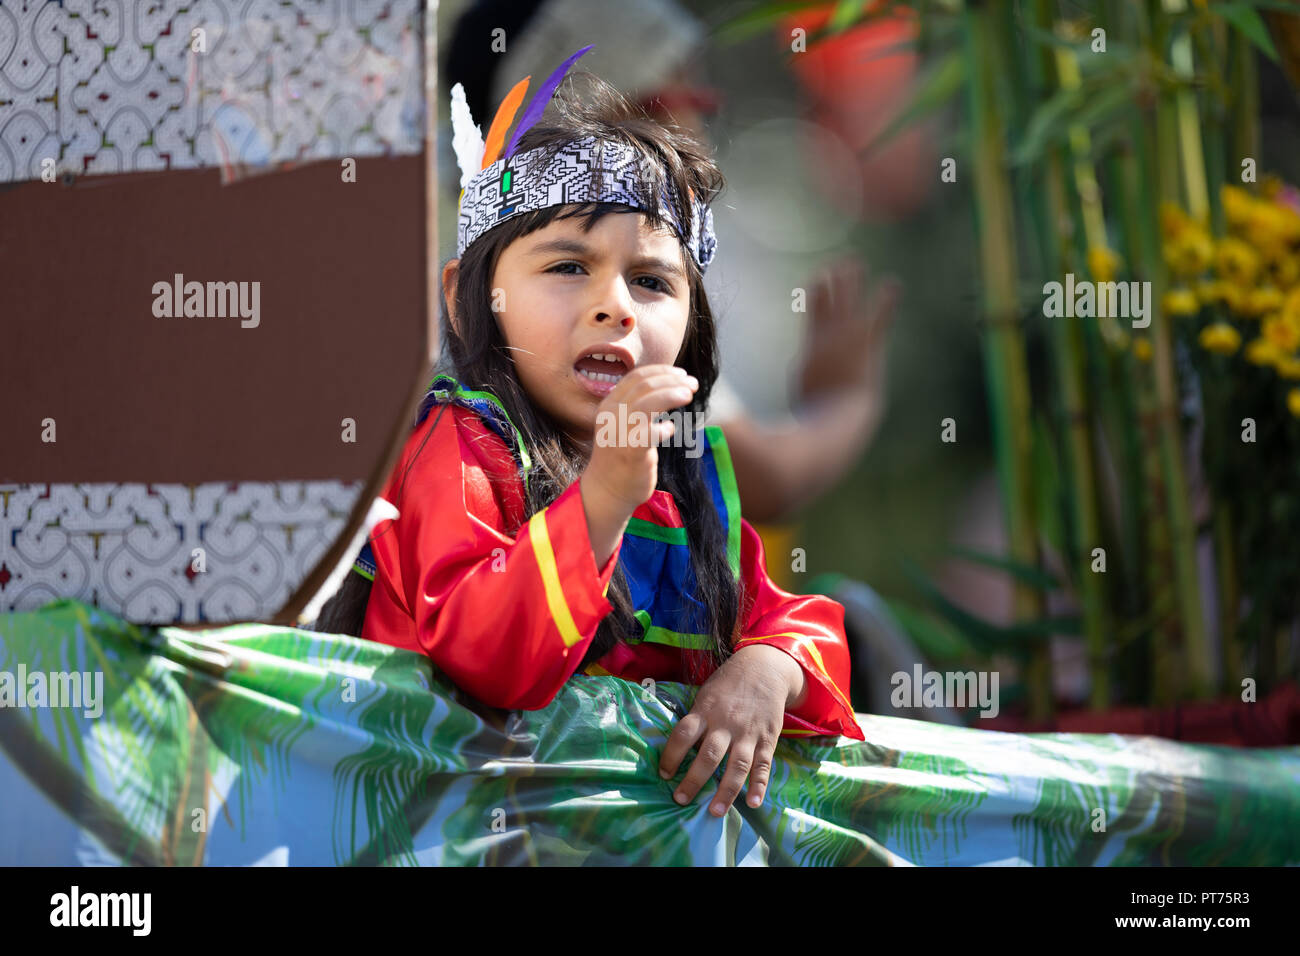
{"points": [[627, 322], [617, 306]]}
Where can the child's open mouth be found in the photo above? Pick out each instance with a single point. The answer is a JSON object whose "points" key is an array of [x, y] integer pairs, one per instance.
{"points": [[599, 371]]}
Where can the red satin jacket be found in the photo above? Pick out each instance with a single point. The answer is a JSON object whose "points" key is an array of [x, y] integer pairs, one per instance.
{"points": [[507, 608]]}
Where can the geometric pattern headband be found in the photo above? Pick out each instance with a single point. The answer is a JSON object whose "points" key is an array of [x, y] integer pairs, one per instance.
{"points": [[499, 183], [586, 170]]}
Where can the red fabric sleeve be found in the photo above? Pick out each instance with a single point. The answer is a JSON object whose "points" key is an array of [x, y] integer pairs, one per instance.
{"points": [[811, 630], [508, 619]]}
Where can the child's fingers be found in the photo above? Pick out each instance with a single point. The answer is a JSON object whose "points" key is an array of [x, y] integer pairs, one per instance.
{"points": [[666, 398], [644, 377], [710, 755], [647, 408], [683, 737], [739, 763], [762, 772], [661, 393]]}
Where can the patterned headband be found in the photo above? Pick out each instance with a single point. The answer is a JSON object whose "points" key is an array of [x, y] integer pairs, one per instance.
{"points": [[587, 170]]}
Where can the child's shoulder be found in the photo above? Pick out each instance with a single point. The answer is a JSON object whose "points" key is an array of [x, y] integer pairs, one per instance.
{"points": [[460, 444], [452, 431]]}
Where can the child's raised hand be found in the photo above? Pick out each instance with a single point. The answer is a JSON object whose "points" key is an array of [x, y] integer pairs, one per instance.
{"points": [[738, 711], [625, 468], [847, 332]]}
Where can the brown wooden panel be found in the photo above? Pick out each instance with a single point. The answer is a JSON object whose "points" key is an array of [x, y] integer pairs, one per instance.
{"points": [[342, 331]]}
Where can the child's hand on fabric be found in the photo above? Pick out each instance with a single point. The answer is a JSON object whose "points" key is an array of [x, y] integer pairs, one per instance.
{"points": [[739, 712], [623, 474]]}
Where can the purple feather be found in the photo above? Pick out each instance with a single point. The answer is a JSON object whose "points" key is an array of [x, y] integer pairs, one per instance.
{"points": [[541, 99]]}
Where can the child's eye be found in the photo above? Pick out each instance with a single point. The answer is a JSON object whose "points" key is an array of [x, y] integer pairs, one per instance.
{"points": [[564, 265], [659, 284]]}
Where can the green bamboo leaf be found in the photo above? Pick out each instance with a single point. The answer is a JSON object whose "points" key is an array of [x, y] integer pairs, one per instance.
{"points": [[759, 19], [1084, 106], [936, 639], [1034, 577], [933, 90], [1020, 637], [847, 13], [1049, 38], [1047, 125], [1117, 51], [1246, 19]]}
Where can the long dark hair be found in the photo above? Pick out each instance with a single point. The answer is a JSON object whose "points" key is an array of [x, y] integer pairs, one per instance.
{"points": [[676, 166]]}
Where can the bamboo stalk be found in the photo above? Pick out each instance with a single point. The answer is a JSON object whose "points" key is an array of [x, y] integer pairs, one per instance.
{"points": [[1067, 343], [1220, 100], [1085, 182], [1123, 387], [1147, 491], [1181, 531], [1003, 345]]}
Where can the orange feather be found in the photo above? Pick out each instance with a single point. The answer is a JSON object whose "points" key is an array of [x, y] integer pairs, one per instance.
{"points": [[496, 137]]}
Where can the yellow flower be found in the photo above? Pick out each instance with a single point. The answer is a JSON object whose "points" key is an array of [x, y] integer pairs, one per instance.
{"points": [[1262, 352], [1235, 261], [1293, 402], [1190, 252], [1142, 349], [1282, 267], [1212, 291], [1269, 226], [1220, 338], [1236, 298], [1172, 220], [1236, 205], [1262, 300], [1288, 368], [1284, 335], [1290, 223], [1291, 307], [1270, 184], [1181, 302], [1103, 263]]}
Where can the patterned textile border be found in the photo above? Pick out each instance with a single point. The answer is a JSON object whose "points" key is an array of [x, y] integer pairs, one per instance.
{"points": [[124, 87], [134, 549], [256, 744]]}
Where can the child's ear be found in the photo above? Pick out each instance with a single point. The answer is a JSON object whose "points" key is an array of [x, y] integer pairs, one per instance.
{"points": [[450, 273]]}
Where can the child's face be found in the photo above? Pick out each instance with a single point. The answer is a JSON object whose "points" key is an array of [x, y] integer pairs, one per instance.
{"points": [[563, 293]]}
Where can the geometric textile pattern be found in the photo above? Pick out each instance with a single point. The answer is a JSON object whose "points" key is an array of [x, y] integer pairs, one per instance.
{"points": [[115, 86], [586, 170], [167, 553]]}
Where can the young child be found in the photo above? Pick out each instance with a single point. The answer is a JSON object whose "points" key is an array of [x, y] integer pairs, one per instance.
{"points": [[534, 539]]}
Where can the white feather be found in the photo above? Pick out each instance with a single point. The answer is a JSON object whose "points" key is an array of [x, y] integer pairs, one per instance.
{"points": [[466, 137]]}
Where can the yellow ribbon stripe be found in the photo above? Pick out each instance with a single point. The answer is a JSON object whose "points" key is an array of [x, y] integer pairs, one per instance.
{"points": [[545, 555]]}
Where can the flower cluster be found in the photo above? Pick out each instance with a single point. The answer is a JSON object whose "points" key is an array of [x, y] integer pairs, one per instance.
{"points": [[1246, 283]]}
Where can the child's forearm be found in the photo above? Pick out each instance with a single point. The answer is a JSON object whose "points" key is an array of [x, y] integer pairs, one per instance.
{"points": [[606, 521], [782, 466]]}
